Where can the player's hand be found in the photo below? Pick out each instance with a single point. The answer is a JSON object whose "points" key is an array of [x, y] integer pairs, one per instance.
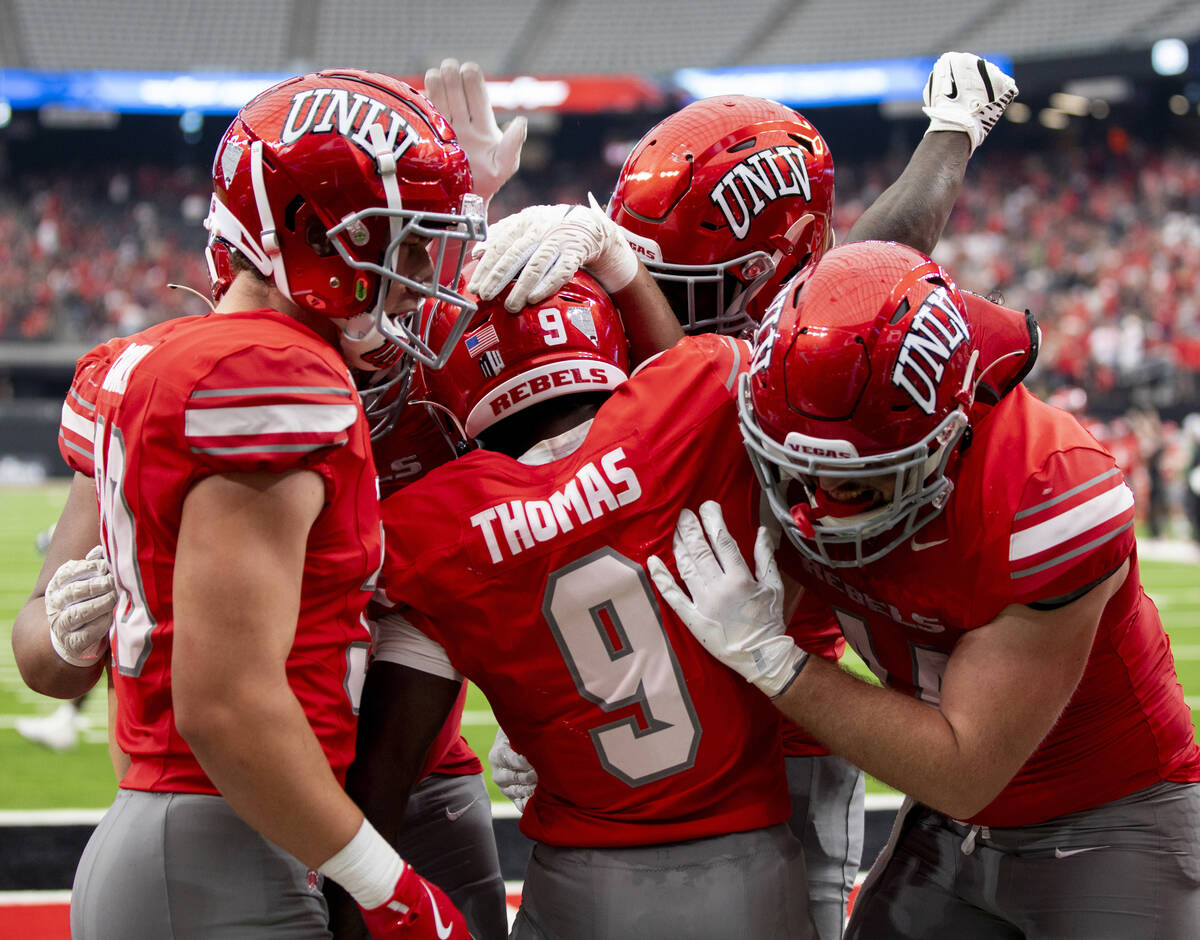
{"points": [[460, 94], [417, 910], [738, 617], [511, 772], [79, 602], [966, 93], [547, 245]]}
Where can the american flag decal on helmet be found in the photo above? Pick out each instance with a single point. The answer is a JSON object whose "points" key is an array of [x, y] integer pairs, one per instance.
{"points": [[481, 341]]}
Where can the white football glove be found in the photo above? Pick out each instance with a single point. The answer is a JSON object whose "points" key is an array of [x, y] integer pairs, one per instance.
{"points": [[511, 772], [543, 246], [966, 93], [460, 94], [736, 616], [79, 602]]}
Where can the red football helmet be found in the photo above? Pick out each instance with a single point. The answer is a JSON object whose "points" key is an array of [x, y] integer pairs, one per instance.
{"points": [[318, 182], [734, 193], [858, 394], [569, 343]]}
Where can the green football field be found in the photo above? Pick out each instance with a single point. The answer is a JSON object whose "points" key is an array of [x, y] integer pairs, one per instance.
{"points": [[36, 778]]}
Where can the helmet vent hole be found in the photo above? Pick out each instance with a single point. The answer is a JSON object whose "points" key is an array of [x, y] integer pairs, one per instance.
{"points": [[901, 310], [803, 142], [291, 211], [743, 145]]}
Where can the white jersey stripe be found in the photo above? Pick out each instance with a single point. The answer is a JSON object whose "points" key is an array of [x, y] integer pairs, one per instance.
{"points": [[268, 420], [76, 423], [1074, 553], [1070, 524]]}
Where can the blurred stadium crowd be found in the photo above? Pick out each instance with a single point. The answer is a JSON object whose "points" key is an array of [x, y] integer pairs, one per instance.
{"points": [[1101, 242]]}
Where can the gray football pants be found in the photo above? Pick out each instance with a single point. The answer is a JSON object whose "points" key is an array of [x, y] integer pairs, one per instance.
{"points": [[447, 837], [827, 818], [169, 866], [1126, 870], [731, 886]]}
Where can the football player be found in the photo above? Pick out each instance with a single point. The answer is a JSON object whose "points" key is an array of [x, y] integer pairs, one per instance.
{"points": [[980, 557], [661, 805], [725, 202], [239, 518]]}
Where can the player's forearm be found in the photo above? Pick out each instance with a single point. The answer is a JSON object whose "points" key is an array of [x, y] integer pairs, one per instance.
{"points": [[40, 666], [906, 743], [914, 209], [649, 321], [257, 747]]}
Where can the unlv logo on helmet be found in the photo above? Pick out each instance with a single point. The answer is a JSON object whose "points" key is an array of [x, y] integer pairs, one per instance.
{"points": [[325, 110], [935, 332], [764, 176]]}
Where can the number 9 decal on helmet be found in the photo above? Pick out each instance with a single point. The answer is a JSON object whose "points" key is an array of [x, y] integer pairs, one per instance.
{"points": [[859, 395], [350, 192], [572, 342], [724, 201]]}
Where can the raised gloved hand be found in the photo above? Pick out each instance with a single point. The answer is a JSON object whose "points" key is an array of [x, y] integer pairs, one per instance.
{"points": [[417, 910], [79, 602], [966, 93], [738, 617], [511, 772], [460, 94], [543, 246]]}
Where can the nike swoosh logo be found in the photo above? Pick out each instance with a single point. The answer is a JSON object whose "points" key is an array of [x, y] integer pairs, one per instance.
{"points": [[454, 814], [921, 546], [953, 93], [1067, 853], [443, 930]]}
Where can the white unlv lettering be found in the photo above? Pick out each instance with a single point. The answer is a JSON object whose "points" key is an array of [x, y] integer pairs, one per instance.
{"points": [[333, 109], [761, 178], [936, 331]]}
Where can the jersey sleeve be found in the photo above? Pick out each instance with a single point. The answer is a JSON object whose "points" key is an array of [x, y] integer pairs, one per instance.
{"points": [[236, 419], [77, 426], [1072, 527]]}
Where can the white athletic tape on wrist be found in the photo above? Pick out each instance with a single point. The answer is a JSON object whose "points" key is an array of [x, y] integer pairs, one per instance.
{"points": [[366, 866]]}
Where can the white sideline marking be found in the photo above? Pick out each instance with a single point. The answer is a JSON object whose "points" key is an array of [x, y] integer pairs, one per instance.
{"points": [[15, 898], [51, 817]]}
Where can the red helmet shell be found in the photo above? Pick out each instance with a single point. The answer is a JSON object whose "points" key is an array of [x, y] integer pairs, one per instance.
{"points": [[724, 178], [572, 342], [318, 167], [871, 349]]}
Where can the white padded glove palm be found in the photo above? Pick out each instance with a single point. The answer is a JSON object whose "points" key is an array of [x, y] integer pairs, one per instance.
{"points": [[79, 602], [966, 93], [511, 772], [460, 94], [543, 246], [736, 616]]}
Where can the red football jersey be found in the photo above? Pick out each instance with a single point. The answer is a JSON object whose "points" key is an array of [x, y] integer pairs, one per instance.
{"points": [[1039, 512], [150, 415], [413, 447], [1007, 341], [532, 578]]}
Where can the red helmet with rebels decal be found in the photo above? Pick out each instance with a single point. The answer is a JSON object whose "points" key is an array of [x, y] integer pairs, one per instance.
{"points": [[571, 342], [858, 394], [724, 201], [326, 183]]}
